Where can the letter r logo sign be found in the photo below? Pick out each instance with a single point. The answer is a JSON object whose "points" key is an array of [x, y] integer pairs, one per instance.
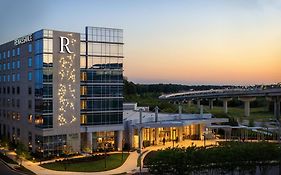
{"points": [[64, 42]]}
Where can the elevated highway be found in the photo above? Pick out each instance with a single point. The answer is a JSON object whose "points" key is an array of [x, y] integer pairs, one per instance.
{"points": [[225, 95]]}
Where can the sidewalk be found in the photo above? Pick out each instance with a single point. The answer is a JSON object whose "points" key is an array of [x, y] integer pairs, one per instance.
{"points": [[129, 166]]}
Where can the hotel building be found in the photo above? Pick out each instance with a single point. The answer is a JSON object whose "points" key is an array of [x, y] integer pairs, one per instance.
{"points": [[62, 90]]}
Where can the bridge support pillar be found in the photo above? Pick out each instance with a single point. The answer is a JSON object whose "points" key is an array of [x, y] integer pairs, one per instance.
{"points": [[269, 100], [156, 136], [277, 100], [189, 103], [198, 103], [247, 101], [225, 100], [211, 103]]}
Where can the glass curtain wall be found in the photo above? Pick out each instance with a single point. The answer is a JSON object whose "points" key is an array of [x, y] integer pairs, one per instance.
{"points": [[43, 78], [101, 64]]}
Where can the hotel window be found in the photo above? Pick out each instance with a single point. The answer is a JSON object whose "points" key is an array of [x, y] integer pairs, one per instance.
{"points": [[18, 90], [13, 65], [18, 51], [48, 33], [8, 54], [38, 46], [29, 48], [29, 118], [83, 119], [29, 90], [29, 61], [38, 120], [14, 52], [18, 64], [29, 76], [4, 55], [82, 62], [47, 60], [83, 90], [48, 45], [83, 104], [13, 77], [8, 78], [83, 76], [4, 66], [8, 66]]}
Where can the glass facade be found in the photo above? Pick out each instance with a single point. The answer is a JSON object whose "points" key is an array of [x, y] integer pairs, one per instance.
{"points": [[27, 70], [43, 78], [101, 67]]}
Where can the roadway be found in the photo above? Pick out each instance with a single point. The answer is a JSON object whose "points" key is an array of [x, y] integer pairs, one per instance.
{"points": [[5, 170]]}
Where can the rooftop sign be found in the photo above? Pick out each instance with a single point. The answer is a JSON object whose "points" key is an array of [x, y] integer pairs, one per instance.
{"points": [[23, 40]]}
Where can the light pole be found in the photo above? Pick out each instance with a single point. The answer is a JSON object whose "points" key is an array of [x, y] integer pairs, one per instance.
{"points": [[105, 146], [204, 138], [139, 150], [123, 140], [140, 137]]}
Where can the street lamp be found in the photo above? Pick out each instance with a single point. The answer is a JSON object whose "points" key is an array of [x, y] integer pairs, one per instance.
{"points": [[139, 150], [105, 147]]}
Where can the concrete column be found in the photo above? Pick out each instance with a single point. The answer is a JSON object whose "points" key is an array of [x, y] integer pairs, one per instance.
{"points": [[269, 100], [225, 100], [131, 137], [90, 140], [180, 112], [150, 135], [140, 138], [171, 133], [189, 103], [277, 107], [156, 136], [198, 103], [156, 113], [94, 142], [119, 140], [180, 133], [201, 110], [211, 103], [140, 117], [202, 131], [247, 101]]}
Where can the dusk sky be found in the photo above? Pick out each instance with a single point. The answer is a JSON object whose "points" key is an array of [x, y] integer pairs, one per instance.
{"points": [[188, 42]]}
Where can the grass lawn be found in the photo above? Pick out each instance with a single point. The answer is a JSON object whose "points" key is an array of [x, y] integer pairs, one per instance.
{"points": [[112, 161]]}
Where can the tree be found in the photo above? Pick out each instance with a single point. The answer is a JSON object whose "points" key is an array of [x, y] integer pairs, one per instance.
{"points": [[22, 152]]}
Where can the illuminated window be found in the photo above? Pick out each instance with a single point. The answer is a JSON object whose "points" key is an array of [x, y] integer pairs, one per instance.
{"points": [[83, 119], [18, 116], [30, 118], [83, 90], [83, 76], [38, 120], [83, 104]]}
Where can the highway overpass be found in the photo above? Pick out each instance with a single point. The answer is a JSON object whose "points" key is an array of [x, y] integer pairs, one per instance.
{"points": [[225, 95]]}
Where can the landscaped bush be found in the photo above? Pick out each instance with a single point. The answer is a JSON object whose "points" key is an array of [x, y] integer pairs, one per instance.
{"points": [[228, 156]]}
